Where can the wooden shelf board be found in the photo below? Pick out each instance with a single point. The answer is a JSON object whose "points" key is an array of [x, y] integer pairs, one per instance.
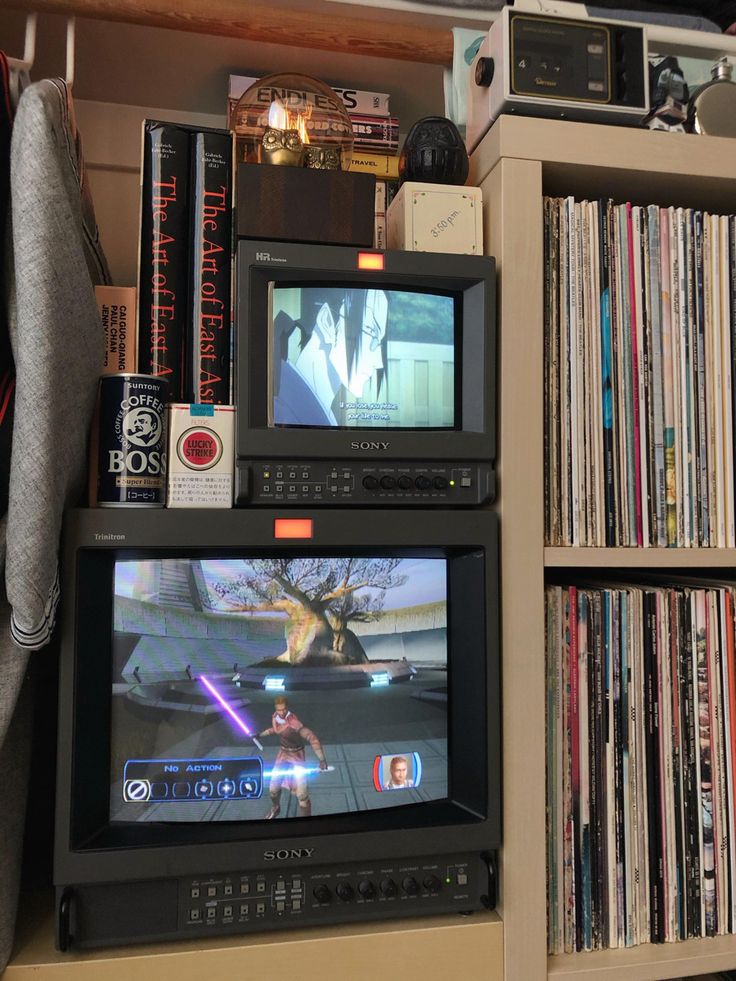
{"points": [[640, 558], [299, 23], [648, 962], [596, 160], [417, 947]]}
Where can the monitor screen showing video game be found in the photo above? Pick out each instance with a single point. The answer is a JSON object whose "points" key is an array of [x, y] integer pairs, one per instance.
{"points": [[247, 689], [357, 358]]}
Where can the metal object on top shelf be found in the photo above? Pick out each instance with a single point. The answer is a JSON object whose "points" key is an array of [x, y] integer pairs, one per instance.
{"points": [[712, 108]]}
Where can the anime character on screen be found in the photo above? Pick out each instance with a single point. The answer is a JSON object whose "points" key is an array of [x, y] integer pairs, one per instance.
{"points": [[399, 778], [343, 346], [287, 773]]}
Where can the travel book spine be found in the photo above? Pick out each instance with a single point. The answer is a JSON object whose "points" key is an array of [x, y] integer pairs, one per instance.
{"points": [[381, 164], [207, 374], [164, 248]]}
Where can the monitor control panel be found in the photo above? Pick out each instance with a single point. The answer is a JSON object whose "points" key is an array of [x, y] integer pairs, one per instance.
{"points": [[365, 484], [292, 896]]}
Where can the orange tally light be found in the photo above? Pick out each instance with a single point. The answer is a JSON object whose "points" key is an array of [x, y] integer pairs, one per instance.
{"points": [[370, 260], [292, 528]]}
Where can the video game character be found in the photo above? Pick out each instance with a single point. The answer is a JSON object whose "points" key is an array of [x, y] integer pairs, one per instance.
{"points": [[399, 780], [286, 773]]}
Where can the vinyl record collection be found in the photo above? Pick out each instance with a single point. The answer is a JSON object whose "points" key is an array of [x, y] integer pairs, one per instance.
{"points": [[641, 763], [640, 336]]}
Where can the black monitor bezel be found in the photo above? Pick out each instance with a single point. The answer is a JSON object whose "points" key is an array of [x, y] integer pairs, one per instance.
{"points": [[86, 839], [469, 278]]}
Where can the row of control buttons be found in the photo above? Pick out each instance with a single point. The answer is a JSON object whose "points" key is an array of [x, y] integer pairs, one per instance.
{"points": [[405, 482], [228, 889], [367, 890], [225, 912]]}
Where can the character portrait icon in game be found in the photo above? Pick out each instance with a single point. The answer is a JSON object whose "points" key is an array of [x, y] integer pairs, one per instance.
{"points": [[286, 773], [399, 779]]}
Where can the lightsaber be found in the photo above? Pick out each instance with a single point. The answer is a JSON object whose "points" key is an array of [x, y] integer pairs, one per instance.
{"points": [[296, 770], [229, 709]]}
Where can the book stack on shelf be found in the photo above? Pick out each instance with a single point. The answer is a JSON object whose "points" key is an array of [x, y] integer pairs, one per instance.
{"points": [[185, 261], [641, 763], [640, 340], [375, 144]]}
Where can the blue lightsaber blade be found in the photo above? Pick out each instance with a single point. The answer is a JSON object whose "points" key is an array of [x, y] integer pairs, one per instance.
{"points": [[295, 771]]}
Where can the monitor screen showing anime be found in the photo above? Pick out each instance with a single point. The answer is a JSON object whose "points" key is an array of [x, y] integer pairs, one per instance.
{"points": [[358, 358], [247, 689]]}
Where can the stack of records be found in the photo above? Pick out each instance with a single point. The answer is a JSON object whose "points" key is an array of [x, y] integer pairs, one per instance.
{"points": [[641, 763], [640, 329]]}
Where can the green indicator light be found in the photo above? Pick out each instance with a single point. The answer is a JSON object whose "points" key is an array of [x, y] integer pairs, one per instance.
{"points": [[448, 881], [452, 484]]}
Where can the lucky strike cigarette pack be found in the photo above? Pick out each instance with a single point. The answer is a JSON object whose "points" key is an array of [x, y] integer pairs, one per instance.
{"points": [[200, 456]]}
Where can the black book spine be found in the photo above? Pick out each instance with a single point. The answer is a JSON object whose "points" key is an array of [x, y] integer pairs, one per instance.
{"points": [[162, 308], [208, 344], [653, 775], [692, 791]]}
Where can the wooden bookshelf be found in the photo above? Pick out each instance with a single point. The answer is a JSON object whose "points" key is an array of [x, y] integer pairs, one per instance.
{"points": [[640, 558], [518, 162], [406, 36], [416, 948], [647, 962]]}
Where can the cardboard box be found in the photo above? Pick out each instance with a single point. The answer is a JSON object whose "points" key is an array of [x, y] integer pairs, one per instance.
{"points": [[201, 456], [117, 306], [436, 218]]}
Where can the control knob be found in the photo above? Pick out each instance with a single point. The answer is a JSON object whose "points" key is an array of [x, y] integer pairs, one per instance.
{"points": [[405, 482], [432, 883], [322, 893], [370, 482], [345, 891], [440, 483], [389, 887], [388, 482], [366, 889], [410, 886], [484, 69], [423, 482]]}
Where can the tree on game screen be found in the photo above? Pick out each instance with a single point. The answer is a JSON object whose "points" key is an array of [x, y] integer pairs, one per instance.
{"points": [[319, 598]]}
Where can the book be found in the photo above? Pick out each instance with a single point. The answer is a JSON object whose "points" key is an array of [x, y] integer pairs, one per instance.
{"points": [[164, 253], [379, 238], [355, 100], [208, 341], [117, 306], [375, 133], [381, 164]]}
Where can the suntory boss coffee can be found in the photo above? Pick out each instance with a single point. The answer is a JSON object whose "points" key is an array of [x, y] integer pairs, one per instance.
{"points": [[132, 457]]}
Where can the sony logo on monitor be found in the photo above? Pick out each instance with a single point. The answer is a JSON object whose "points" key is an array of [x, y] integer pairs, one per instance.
{"points": [[369, 445], [284, 853]]}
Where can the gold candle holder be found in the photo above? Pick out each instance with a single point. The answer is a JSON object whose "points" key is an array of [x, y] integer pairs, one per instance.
{"points": [[283, 147]]}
